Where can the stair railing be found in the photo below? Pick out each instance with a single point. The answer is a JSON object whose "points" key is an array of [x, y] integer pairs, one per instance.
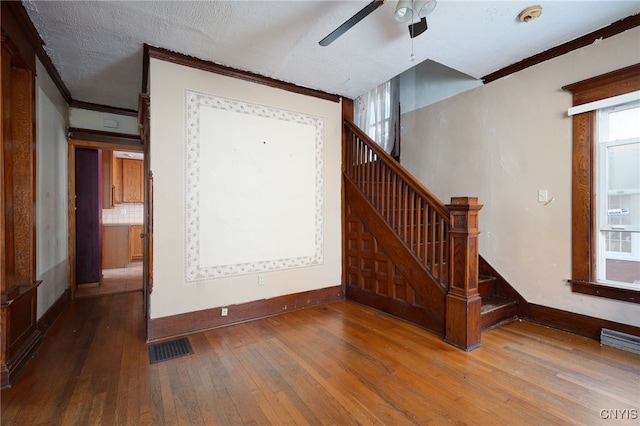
{"points": [[442, 237], [417, 216]]}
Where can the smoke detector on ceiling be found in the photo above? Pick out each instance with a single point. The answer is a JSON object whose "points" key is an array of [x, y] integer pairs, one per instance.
{"points": [[530, 13]]}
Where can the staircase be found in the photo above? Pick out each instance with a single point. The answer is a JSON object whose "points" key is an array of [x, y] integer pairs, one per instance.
{"points": [[500, 302], [408, 254]]}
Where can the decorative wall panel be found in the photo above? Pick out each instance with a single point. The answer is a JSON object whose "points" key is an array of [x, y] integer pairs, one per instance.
{"points": [[265, 166]]}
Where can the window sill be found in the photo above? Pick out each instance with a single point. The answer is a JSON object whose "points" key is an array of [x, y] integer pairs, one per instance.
{"points": [[595, 289]]}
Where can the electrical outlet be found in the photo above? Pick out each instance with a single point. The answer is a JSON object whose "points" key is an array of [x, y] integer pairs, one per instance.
{"points": [[224, 312], [261, 279], [542, 196]]}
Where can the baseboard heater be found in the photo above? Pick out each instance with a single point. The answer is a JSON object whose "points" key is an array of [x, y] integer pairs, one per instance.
{"points": [[624, 341]]}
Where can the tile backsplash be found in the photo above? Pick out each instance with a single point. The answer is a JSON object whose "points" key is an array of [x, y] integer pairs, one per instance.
{"points": [[124, 213]]}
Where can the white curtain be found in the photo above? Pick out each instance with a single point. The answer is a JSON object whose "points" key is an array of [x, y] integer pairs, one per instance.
{"points": [[377, 112]]}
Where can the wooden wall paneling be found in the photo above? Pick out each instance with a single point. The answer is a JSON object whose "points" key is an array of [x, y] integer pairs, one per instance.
{"points": [[380, 273], [23, 174], [347, 114], [6, 216], [18, 291]]}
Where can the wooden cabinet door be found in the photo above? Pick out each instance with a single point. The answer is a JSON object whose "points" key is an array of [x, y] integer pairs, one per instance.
{"points": [[132, 178], [135, 242], [115, 250], [116, 180]]}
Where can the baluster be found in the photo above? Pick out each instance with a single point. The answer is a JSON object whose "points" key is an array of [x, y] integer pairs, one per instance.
{"points": [[412, 215]]}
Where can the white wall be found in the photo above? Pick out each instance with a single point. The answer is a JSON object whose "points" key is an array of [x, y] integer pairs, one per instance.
{"points": [[52, 257], [172, 292], [103, 121], [502, 142], [430, 82]]}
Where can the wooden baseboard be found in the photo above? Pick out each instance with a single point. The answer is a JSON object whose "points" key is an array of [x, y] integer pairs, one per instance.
{"points": [[54, 311], [579, 324], [12, 369], [192, 322]]}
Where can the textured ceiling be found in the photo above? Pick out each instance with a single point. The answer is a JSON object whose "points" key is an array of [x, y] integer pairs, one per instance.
{"points": [[96, 46]]}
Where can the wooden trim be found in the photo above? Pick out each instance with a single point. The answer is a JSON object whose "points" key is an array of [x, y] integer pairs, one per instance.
{"points": [[192, 322], [18, 11], [614, 83], [606, 32], [579, 324], [596, 289], [71, 190], [103, 108], [145, 69], [17, 28], [54, 311], [106, 137], [347, 114], [584, 233], [189, 61]]}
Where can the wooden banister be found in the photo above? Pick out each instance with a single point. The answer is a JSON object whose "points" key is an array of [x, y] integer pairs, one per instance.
{"points": [[418, 217], [443, 239]]}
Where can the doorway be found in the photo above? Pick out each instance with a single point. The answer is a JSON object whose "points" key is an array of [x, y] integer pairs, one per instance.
{"points": [[115, 217]]}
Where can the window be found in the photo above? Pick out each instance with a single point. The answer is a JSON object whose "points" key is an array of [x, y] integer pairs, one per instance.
{"points": [[376, 113], [605, 156], [618, 174]]}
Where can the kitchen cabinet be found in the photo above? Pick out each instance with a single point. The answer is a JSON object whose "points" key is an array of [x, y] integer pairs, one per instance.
{"points": [[115, 246], [132, 181], [135, 242]]}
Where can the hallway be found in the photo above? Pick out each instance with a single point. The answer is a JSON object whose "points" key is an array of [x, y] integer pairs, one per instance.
{"points": [[122, 280]]}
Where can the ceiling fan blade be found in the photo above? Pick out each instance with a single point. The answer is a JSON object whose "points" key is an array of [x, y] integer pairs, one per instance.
{"points": [[351, 22], [418, 28]]}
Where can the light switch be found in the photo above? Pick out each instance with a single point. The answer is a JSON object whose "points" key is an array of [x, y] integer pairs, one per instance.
{"points": [[542, 196]]}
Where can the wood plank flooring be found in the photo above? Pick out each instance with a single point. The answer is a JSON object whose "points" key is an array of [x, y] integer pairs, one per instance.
{"points": [[120, 280], [336, 364]]}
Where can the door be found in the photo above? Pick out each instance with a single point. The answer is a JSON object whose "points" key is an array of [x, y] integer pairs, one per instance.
{"points": [[88, 191]]}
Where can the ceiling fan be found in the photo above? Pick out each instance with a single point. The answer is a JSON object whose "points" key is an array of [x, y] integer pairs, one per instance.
{"points": [[404, 12]]}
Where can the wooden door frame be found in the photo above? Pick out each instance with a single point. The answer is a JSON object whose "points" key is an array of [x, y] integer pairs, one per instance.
{"points": [[72, 145]]}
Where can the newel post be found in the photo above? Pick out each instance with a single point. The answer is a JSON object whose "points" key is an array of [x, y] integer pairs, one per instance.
{"points": [[463, 300]]}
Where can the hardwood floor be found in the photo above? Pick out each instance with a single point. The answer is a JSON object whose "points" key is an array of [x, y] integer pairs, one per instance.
{"points": [[336, 364], [120, 280]]}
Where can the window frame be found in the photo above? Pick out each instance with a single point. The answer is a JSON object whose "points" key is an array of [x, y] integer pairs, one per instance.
{"points": [[584, 181]]}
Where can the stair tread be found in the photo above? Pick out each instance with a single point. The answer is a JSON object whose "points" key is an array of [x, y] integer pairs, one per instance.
{"points": [[485, 279], [493, 303]]}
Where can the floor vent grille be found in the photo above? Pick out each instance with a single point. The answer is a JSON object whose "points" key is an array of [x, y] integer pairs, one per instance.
{"points": [[624, 341], [169, 350]]}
